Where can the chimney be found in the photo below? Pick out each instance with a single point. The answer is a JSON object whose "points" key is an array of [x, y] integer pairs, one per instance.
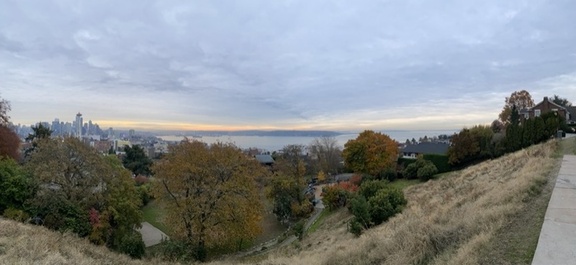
{"points": [[545, 98]]}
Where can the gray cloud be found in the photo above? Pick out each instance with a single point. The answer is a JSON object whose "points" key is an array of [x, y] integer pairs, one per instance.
{"points": [[305, 64]]}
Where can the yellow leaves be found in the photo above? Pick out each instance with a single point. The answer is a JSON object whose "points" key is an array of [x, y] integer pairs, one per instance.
{"points": [[370, 153], [209, 192]]}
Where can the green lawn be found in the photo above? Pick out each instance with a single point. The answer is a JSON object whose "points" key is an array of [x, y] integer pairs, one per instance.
{"points": [[152, 213], [404, 183], [325, 213]]}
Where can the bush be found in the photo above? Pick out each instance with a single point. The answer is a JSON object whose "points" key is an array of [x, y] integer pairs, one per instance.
{"points": [[131, 244], [427, 171], [299, 229], [334, 197], [355, 227], [16, 214], [385, 204], [440, 161], [359, 207], [421, 169], [369, 188]]}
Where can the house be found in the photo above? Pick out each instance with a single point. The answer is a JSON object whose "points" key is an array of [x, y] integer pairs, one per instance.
{"points": [[413, 150], [265, 159], [568, 113]]}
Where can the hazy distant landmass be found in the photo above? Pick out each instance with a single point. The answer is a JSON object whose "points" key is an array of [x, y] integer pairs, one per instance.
{"points": [[280, 133]]}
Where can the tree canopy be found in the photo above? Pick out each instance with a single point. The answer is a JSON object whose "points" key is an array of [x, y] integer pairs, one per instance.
{"points": [[210, 194], [136, 160], [4, 109], [521, 99], [564, 102], [86, 193], [327, 154], [371, 152]]}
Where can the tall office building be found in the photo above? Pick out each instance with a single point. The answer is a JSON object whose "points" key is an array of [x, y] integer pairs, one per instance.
{"points": [[78, 125]]}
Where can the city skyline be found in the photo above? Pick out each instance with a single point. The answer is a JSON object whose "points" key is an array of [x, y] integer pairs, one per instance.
{"points": [[295, 65]]}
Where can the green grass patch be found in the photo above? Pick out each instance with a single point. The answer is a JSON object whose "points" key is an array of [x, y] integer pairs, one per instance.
{"points": [[153, 214], [325, 213], [404, 183]]}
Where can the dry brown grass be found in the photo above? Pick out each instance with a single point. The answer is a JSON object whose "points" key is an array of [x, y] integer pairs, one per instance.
{"points": [[27, 244], [447, 221]]}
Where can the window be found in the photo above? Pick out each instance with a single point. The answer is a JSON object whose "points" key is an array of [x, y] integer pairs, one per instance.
{"points": [[536, 113]]}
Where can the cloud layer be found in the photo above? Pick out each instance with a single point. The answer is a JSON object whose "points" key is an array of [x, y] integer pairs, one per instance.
{"points": [[342, 65]]}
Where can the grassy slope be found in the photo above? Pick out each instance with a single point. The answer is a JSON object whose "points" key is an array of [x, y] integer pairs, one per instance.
{"points": [[27, 244], [447, 221], [453, 220]]}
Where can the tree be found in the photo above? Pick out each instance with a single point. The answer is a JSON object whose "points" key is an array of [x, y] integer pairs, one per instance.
{"points": [[9, 143], [561, 101], [372, 153], [16, 186], [136, 160], [327, 154], [210, 194], [471, 144], [85, 192], [521, 99], [39, 132]]}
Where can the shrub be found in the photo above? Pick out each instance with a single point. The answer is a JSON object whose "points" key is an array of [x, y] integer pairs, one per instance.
{"points": [[16, 214], [427, 171], [369, 188], [334, 197], [385, 204], [355, 227], [360, 209], [440, 161], [299, 229], [132, 245]]}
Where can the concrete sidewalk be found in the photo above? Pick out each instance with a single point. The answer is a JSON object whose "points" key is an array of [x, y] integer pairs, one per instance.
{"points": [[151, 235], [557, 242]]}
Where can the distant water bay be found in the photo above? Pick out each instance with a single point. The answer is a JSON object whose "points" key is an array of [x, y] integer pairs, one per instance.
{"points": [[273, 143]]}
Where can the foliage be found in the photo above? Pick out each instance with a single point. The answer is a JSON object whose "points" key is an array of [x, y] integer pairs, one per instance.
{"points": [[422, 169], [16, 214], [369, 188], [321, 176], [298, 229], [384, 204], [288, 197], [39, 133], [426, 172], [561, 101], [521, 99], [136, 160], [210, 194], [440, 161], [471, 144], [334, 197], [327, 154], [360, 208], [9, 143], [374, 203], [84, 192], [16, 186], [131, 243], [371, 153]]}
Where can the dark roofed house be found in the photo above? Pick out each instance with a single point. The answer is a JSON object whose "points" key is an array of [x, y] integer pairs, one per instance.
{"points": [[413, 150], [265, 159]]}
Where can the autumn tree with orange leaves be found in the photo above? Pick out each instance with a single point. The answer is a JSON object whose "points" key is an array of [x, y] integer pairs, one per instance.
{"points": [[9, 140], [371, 152], [210, 195], [521, 99]]}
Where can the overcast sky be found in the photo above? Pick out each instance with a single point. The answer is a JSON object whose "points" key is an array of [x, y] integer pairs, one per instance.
{"points": [[337, 65]]}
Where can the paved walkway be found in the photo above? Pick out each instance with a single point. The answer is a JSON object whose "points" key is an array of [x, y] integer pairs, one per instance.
{"points": [[151, 235], [557, 242]]}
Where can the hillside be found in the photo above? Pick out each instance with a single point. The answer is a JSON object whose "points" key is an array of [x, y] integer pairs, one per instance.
{"points": [[447, 221]]}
